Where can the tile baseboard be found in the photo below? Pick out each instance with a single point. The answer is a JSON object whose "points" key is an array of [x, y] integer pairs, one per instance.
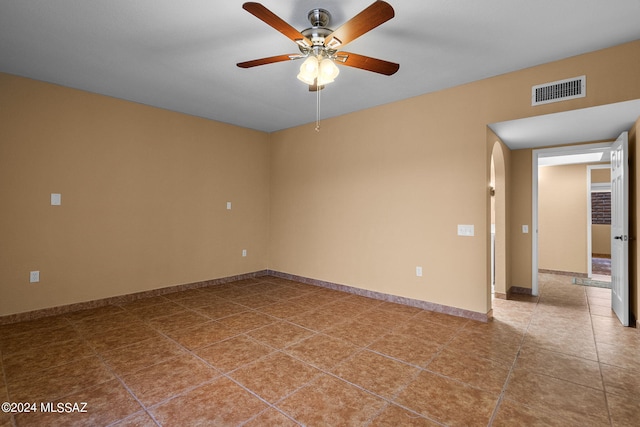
{"points": [[606, 256], [519, 291], [425, 305], [122, 299]]}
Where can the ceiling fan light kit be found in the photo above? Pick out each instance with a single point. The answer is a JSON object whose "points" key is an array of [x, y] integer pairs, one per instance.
{"points": [[318, 70], [319, 44]]}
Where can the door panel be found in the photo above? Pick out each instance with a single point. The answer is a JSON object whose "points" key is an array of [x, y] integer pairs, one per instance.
{"points": [[620, 228]]}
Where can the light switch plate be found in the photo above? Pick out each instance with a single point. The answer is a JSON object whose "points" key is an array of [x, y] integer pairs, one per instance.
{"points": [[419, 271], [56, 199], [466, 230], [229, 206], [525, 229]]}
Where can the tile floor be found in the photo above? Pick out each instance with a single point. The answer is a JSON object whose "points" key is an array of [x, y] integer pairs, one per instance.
{"points": [[270, 352], [601, 269], [601, 266]]}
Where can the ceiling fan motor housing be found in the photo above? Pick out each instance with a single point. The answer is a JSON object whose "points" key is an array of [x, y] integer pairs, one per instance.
{"points": [[319, 19]]}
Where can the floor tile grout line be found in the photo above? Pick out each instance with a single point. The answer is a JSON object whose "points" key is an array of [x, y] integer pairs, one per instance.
{"points": [[265, 356], [131, 416], [97, 355], [437, 353], [335, 376], [502, 394], [186, 391], [570, 381], [377, 413], [119, 379], [323, 371], [393, 399], [229, 377], [388, 404], [263, 399], [595, 343], [389, 401], [256, 416], [216, 378]]}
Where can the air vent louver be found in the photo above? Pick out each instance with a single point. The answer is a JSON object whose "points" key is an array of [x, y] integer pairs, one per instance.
{"points": [[561, 90]]}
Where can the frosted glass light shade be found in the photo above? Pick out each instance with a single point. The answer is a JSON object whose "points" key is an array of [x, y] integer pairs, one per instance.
{"points": [[313, 67], [309, 70], [327, 72]]}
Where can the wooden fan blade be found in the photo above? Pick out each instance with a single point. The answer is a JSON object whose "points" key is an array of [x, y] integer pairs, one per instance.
{"points": [[367, 63], [265, 61], [376, 14], [270, 18]]}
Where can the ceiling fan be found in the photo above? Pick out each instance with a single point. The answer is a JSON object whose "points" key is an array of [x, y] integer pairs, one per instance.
{"points": [[319, 45]]}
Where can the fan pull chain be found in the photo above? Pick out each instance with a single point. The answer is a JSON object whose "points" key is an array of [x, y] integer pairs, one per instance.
{"points": [[317, 107]]}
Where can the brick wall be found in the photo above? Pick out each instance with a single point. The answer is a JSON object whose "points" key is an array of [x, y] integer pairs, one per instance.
{"points": [[601, 208]]}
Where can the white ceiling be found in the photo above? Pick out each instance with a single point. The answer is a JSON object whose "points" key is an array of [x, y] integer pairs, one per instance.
{"points": [[569, 127], [181, 55]]}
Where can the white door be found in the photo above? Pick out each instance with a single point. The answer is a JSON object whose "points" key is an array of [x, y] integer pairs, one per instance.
{"points": [[620, 228]]}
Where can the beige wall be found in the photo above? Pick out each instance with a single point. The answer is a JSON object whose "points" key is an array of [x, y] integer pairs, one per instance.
{"points": [[380, 191], [521, 208], [600, 175], [144, 195], [562, 218], [601, 239], [377, 193], [362, 203]]}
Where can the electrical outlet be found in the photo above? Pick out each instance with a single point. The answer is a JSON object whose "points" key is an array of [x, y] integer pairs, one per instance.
{"points": [[228, 206], [244, 252], [34, 276]]}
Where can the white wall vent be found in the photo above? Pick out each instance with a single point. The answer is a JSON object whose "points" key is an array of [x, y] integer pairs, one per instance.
{"points": [[561, 90]]}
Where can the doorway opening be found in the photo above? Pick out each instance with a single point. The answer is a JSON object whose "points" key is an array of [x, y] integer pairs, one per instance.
{"points": [[577, 154], [619, 234], [599, 225]]}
